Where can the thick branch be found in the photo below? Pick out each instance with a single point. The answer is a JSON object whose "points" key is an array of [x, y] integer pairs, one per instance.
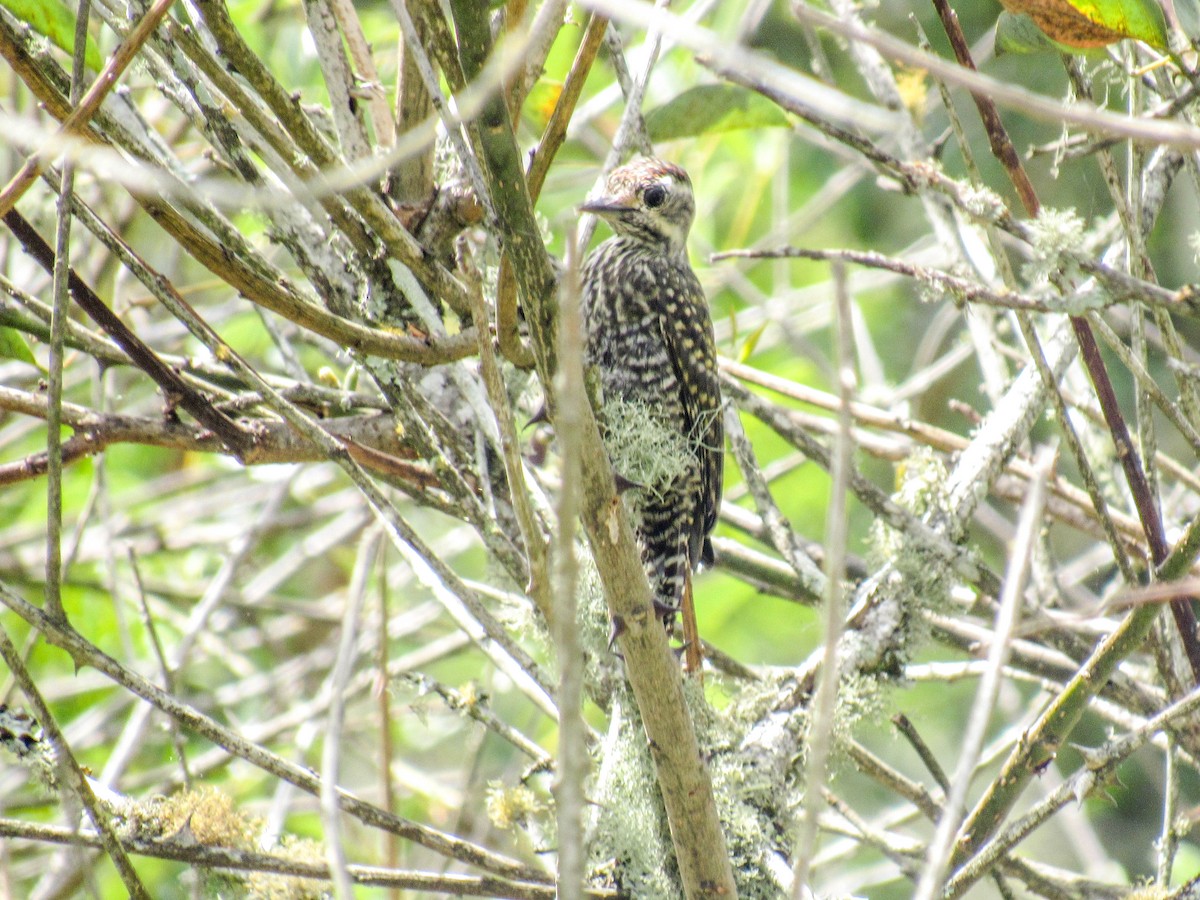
{"points": [[505, 174], [653, 671]]}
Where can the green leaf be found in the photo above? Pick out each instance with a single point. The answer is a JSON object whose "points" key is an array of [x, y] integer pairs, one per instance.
{"points": [[13, 346], [56, 21], [1140, 19], [713, 108]]}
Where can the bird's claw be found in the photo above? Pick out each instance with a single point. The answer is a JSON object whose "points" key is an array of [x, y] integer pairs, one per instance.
{"points": [[681, 650], [542, 415], [665, 611], [618, 629], [623, 484]]}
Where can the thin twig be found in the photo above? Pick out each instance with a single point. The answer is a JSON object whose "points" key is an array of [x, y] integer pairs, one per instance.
{"points": [[572, 754], [1011, 598], [331, 752], [533, 537], [820, 731], [58, 319], [89, 103]]}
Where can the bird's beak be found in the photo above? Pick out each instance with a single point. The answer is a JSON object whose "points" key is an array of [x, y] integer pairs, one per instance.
{"points": [[603, 206]]}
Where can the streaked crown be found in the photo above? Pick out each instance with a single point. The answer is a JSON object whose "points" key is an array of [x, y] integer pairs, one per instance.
{"points": [[648, 200]]}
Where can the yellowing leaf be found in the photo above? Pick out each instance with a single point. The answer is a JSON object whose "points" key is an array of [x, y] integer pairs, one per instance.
{"points": [[57, 22], [1017, 33], [542, 99], [751, 342], [1094, 23]]}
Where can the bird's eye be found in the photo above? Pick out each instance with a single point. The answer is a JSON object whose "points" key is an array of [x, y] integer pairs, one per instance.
{"points": [[655, 195]]}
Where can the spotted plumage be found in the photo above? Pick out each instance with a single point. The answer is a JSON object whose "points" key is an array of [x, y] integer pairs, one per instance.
{"points": [[650, 338]]}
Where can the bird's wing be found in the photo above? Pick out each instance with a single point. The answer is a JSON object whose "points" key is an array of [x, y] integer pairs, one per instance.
{"points": [[688, 334]]}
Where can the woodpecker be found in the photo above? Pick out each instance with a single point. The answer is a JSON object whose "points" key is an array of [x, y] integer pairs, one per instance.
{"points": [[650, 339]]}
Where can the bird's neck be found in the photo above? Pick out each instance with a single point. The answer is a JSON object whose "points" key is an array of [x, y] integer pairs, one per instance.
{"points": [[652, 244]]}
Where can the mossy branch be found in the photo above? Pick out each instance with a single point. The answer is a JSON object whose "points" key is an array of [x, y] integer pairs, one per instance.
{"points": [[653, 672]]}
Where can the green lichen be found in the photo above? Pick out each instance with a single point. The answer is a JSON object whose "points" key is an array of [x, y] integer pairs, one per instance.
{"points": [[982, 203], [860, 698]]}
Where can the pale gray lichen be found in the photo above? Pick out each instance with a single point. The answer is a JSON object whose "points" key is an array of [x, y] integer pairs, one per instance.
{"points": [[911, 578], [860, 698], [755, 754], [751, 756], [1054, 236], [602, 667], [751, 750], [1081, 302], [644, 449], [630, 837], [982, 203]]}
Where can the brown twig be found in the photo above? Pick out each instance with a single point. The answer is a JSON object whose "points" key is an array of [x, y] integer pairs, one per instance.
{"points": [[556, 127], [371, 440], [175, 388], [79, 117]]}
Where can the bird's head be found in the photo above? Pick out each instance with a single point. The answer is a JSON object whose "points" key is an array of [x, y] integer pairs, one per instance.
{"points": [[648, 200]]}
